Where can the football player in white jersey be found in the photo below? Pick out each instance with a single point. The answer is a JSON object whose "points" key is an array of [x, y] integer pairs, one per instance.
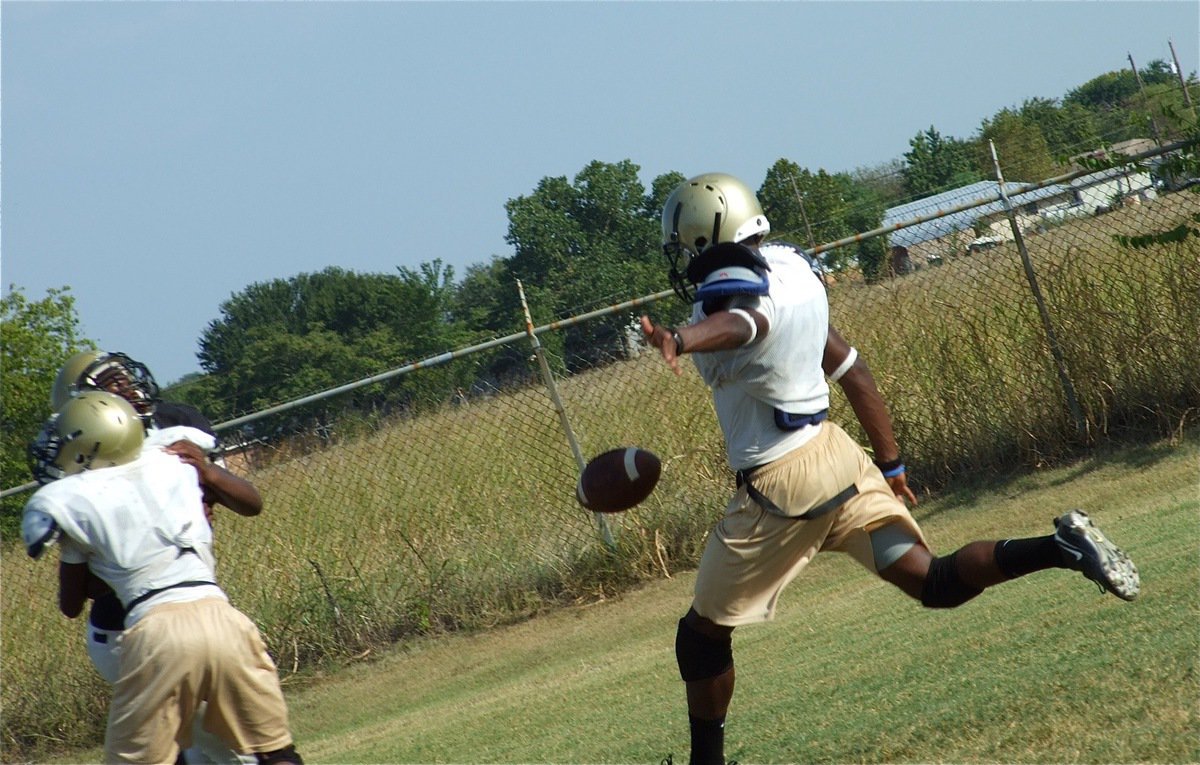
{"points": [[761, 339], [134, 515], [187, 433]]}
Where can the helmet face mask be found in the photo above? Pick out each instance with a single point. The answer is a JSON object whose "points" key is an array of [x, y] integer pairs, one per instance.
{"points": [[93, 430], [113, 372], [709, 209], [677, 263], [129, 379]]}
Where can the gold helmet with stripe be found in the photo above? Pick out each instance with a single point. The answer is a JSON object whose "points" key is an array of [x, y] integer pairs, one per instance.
{"points": [[707, 210], [94, 429]]}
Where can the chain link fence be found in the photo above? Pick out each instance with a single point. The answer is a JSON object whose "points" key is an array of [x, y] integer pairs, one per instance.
{"points": [[1011, 330], [1018, 322]]}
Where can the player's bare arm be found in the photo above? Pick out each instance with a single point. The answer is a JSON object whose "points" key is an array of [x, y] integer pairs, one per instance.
{"points": [[220, 485], [72, 588], [858, 384], [722, 330]]}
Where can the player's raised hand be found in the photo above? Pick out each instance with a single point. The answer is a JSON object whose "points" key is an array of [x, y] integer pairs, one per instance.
{"points": [[664, 340], [190, 454]]}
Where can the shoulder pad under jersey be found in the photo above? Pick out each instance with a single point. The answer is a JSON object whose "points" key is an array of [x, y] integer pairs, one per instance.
{"points": [[813, 262]]}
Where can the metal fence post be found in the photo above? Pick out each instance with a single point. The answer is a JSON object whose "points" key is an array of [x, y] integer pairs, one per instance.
{"points": [[547, 377], [1031, 277]]}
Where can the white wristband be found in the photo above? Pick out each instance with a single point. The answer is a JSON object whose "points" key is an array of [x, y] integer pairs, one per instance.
{"points": [[749, 320], [844, 367]]}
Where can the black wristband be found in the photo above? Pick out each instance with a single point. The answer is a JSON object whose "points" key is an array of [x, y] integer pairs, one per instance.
{"points": [[889, 465], [678, 341]]}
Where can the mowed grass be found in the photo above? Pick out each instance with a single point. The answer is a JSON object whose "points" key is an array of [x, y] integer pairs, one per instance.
{"points": [[1044, 669], [464, 518]]}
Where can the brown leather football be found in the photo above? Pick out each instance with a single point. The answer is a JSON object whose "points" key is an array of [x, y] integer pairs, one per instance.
{"points": [[618, 479]]}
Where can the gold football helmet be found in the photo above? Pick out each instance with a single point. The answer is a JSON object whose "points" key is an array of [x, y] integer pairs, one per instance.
{"points": [[113, 372], [94, 429], [709, 209]]}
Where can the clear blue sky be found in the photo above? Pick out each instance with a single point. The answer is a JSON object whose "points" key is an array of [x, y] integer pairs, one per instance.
{"points": [[160, 157]]}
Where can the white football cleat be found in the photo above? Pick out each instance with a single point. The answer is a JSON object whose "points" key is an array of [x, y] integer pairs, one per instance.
{"points": [[1084, 548]]}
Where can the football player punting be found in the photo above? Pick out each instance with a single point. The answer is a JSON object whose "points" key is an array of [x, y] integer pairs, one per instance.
{"points": [[761, 339]]}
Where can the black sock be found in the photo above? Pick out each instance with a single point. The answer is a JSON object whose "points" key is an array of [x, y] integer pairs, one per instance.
{"points": [[1018, 557], [708, 741]]}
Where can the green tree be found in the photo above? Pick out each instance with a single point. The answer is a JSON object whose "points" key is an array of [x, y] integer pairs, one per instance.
{"points": [[585, 240], [864, 211], [1108, 91], [804, 207], [934, 164], [475, 301], [1122, 110], [1158, 72], [1022, 149], [36, 337], [885, 180], [583, 243], [809, 208], [279, 340], [661, 188], [1164, 102], [1069, 129]]}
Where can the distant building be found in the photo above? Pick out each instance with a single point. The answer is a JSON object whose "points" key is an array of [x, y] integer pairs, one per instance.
{"points": [[951, 234], [1121, 148], [986, 225]]}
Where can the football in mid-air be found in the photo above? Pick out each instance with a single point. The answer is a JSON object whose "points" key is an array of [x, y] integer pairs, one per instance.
{"points": [[618, 479]]}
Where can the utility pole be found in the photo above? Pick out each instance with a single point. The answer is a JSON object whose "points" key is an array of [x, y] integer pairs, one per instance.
{"points": [[1187, 97], [1142, 90], [803, 213]]}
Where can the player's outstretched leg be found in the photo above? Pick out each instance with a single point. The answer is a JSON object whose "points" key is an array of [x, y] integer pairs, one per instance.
{"points": [[1086, 549], [952, 580]]}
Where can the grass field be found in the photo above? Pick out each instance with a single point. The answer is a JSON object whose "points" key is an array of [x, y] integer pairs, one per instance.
{"points": [[463, 517], [1045, 669]]}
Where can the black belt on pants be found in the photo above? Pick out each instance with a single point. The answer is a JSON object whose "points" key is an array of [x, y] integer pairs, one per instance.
{"points": [[826, 507]]}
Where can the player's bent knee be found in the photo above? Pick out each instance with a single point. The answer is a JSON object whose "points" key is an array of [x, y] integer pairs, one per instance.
{"points": [[943, 587], [287, 754], [701, 657]]}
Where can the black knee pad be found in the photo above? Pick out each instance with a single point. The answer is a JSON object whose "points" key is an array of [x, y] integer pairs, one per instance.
{"points": [[286, 754], [944, 588], [700, 656]]}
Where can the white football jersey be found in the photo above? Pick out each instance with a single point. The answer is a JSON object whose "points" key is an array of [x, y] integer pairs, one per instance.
{"points": [[782, 370], [140, 527], [159, 437]]}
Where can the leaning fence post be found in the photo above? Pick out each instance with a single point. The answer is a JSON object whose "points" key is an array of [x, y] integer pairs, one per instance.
{"points": [[1055, 349], [547, 377]]}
